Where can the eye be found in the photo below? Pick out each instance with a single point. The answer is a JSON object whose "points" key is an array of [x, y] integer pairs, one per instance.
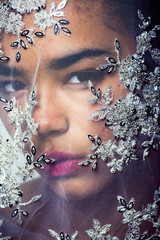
{"points": [[74, 79], [84, 76], [8, 87]]}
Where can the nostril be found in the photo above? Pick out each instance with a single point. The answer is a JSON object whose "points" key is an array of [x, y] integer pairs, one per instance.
{"points": [[54, 124], [57, 132]]}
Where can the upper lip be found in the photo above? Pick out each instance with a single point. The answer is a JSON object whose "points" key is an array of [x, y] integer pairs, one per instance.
{"points": [[62, 156]]}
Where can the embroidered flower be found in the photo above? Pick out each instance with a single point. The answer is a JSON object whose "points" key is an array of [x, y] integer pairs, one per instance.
{"points": [[122, 116], [9, 192], [17, 168], [31, 124], [134, 218], [101, 150], [143, 43], [43, 20], [104, 99], [132, 72], [99, 233], [4, 10], [26, 6], [151, 95], [144, 39], [63, 235], [11, 15], [136, 113], [14, 23], [115, 164]]}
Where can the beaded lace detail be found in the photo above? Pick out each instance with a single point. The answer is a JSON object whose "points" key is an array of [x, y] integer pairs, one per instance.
{"points": [[127, 118], [11, 21], [136, 114], [132, 218]]}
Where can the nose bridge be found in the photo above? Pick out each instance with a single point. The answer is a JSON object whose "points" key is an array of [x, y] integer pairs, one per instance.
{"points": [[49, 112]]}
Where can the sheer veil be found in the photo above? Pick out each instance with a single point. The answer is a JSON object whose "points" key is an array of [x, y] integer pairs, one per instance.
{"points": [[80, 120]]}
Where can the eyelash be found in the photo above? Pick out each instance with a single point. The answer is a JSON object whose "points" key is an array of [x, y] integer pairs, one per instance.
{"points": [[84, 76]]}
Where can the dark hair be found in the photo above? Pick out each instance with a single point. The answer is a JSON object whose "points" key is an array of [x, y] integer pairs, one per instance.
{"points": [[123, 13], [119, 15]]}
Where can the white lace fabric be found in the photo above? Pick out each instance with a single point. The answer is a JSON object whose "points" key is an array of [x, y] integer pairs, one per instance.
{"points": [[128, 207]]}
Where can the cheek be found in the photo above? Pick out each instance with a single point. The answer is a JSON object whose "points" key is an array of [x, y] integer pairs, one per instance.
{"points": [[81, 127], [80, 109]]}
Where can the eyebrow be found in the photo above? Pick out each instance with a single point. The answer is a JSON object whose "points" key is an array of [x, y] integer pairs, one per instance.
{"points": [[8, 71], [56, 63], [68, 60]]}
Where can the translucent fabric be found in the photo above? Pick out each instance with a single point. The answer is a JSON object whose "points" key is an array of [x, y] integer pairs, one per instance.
{"points": [[80, 120]]}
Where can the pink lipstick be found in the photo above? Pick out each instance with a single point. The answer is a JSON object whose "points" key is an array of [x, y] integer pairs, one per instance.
{"points": [[65, 163]]}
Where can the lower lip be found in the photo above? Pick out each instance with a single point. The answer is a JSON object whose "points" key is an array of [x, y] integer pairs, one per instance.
{"points": [[63, 168]]}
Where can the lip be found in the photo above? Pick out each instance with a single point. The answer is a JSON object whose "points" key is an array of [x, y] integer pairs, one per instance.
{"points": [[65, 164]]}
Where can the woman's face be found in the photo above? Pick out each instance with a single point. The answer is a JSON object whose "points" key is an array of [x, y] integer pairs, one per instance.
{"points": [[60, 67]]}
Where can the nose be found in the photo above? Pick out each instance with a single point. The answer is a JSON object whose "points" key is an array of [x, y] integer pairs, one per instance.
{"points": [[50, 112]]}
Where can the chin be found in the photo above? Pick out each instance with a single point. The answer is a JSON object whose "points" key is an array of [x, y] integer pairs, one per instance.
{"points": [[78, 188], [72, 192]]}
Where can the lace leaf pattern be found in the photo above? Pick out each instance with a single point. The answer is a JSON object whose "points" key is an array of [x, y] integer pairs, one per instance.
{"points": [[137, 113], [63, 236], [127, 117], [105, 99], [26, 6], [16, 170], [109, 150], [44, 19], [134, 218], [3, 238], [11, 21], [99, 233]]}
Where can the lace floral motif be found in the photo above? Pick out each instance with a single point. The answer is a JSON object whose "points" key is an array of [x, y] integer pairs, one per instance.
{"points": [[11, 21], [131, 217], [14, 23], [128, 117], [134, 218], [44, 19], [26, 6], [4, 10], [99, 233], [62, 235], [109, 150], [16, 170]]}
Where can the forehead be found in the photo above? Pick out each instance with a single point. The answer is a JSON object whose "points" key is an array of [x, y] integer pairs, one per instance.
{"points": [[87, 31]]}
